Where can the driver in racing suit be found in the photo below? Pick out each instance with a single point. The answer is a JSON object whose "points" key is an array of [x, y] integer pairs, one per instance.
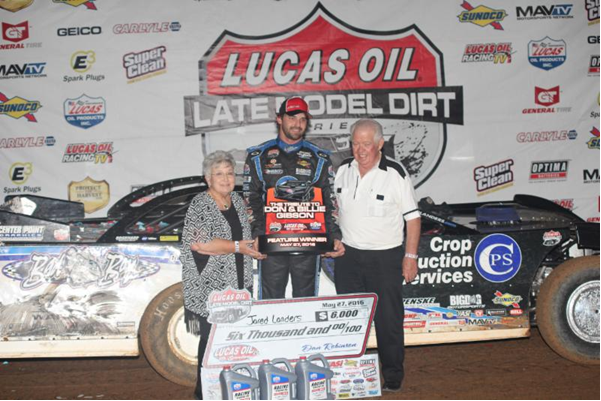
{"points": [[289, 157]]}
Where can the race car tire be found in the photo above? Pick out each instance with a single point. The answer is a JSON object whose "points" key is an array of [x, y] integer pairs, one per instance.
{"points": [[568, 310], [162, 335]]}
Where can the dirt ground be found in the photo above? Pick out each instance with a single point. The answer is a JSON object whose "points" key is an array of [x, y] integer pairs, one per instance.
{"points": [[514, 369]]}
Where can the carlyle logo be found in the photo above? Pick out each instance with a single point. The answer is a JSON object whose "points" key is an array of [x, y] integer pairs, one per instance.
{"points": [[547, 53], [84, 111], [15, 5], [27, 70], [146, 64], [93, 152], [549, 170], [494, 177], [482, 16], [26, 142], [593, 66], [92, 193], [546, 136], [18, 107], [497, 53], [593, 143], [147, 27], [592, 11], [557, 11], [394, 76], [89, 4]]}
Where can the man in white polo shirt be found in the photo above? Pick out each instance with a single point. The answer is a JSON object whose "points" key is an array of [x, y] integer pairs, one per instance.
{"points": [[376, 200]]}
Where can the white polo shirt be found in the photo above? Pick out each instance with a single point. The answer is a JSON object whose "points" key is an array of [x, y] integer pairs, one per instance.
{"points": [[373, 208]]}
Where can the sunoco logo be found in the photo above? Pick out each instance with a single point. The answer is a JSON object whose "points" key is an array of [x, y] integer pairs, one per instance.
{"points": [[549, 170], [593, 143], [395, 76], [146, 64], [498, 258], [18, 107], [547, 53], [497, 53], [494, 177], [482, 16]]}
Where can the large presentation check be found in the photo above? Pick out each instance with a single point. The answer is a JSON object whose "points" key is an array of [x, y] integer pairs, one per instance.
{"points": [[337, 327]]}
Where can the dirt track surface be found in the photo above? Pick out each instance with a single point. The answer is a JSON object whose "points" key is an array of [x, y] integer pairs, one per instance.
{"points": [[514, 369]]}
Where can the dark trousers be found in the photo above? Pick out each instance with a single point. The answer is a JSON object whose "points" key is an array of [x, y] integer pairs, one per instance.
{"points": [[379, 272], [273, 276], [205, 331]]}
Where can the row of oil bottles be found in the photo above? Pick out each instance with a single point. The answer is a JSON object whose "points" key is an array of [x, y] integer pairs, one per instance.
{"points": [[277, 380]]}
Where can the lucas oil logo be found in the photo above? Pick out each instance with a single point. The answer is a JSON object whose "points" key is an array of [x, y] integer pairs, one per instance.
{"points": [[18, 107], [482, 16], [394, 76], [145, 64], [84, 111], [497, 53], [547, 53], [498, 258]]}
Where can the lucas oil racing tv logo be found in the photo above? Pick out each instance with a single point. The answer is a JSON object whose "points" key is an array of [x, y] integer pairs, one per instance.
{"points": [[394, 76], [498, 258]]}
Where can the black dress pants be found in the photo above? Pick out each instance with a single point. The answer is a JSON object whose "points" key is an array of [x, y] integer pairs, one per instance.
{"points": [[273, 276], [379, 272], [205, 331]]}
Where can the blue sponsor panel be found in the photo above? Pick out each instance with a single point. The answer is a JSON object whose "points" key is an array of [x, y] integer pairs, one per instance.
{"points": [[498, 258]]}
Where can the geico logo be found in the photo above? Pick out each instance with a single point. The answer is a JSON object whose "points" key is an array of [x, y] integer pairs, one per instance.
{"points": [[75, 31], [593, 40]]}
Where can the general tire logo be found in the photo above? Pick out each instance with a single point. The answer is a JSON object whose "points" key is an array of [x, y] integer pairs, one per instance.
{"points": [[15, 33], [396, 76], [498, 258]]}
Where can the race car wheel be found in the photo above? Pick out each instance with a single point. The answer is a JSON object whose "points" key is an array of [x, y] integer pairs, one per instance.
{"points": [[568, 310], [169, 348]]}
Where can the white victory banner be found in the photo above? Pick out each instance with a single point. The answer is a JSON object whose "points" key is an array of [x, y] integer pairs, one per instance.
{"points": [[336, 327]]}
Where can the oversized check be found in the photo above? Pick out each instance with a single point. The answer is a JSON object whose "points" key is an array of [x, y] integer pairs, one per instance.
{"points": [[336, 326]]}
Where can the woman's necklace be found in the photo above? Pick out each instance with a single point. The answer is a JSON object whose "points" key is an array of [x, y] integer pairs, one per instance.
{"points": [[219, 201]]}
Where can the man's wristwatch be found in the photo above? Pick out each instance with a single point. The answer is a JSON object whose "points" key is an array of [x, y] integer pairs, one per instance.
{"points": [[411, 255], [236, 246]]}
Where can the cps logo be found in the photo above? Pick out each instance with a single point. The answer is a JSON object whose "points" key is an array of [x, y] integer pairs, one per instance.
{"points": [[498, 258]]}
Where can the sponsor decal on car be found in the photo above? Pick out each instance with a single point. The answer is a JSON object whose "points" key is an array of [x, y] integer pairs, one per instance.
{"points": [[496, 53], [507, 299], [85, 112], [493, 178], [567, 203], [547, 12], [498, 258], [552, 238], [18, 107], [145, 64], [547, 53], [449, 263], [465, 301], [21, 233], [26, 70], [549, 170], [482, 16]]}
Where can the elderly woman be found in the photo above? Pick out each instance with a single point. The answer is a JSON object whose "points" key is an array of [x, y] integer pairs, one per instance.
{"points": [[216, 247]]}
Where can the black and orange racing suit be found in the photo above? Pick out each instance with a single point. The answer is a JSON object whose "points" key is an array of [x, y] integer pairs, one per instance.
{"points": [[272, 163]]}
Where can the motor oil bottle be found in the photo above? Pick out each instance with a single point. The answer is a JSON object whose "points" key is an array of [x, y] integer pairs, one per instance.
{"points": [[276, 383], [237, 386], [313, 381]]}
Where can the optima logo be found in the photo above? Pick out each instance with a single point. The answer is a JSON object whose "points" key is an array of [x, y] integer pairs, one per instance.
{"points": [[549, 170]]}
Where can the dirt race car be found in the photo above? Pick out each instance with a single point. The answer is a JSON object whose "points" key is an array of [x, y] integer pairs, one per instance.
{"points": [[76, 287]]}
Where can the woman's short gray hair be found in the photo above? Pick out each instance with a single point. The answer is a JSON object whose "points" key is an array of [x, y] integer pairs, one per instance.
{"points": [[215, 158], [369, 123]]}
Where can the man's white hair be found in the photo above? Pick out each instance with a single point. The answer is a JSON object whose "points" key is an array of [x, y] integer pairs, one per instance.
{"points": [[371, 124]]}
